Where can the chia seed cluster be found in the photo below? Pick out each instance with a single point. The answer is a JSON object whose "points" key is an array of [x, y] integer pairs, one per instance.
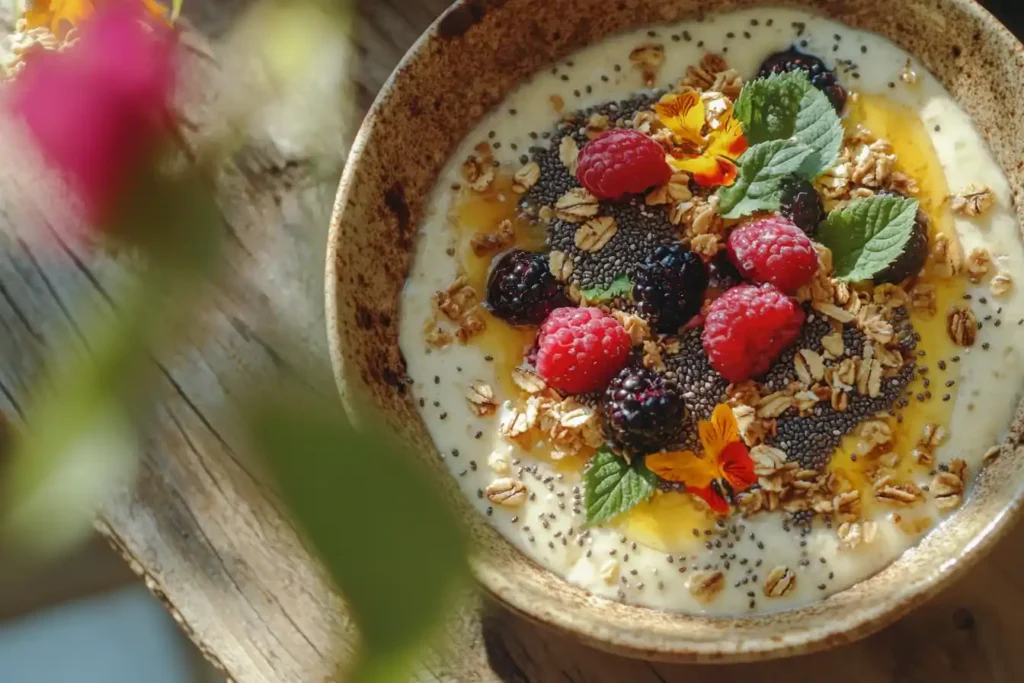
{"points": [[641, 229]]}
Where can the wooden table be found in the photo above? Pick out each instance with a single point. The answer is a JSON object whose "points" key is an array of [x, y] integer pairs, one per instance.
{"points": [[209, 539]]}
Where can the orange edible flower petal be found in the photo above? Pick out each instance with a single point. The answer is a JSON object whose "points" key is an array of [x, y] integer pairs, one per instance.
{"points": [[728, 141], [737, 466], [707, 171], [718, 432], [712, 495], [683, 115], [683, 467]]}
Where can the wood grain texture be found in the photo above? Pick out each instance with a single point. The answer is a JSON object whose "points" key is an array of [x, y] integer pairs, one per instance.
{"points": [[209, 538]]}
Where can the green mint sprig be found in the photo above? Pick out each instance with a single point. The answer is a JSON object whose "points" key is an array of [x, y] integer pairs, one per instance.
{"points": [[619, 287], [867, 235], [784, 117], [613, 486]]}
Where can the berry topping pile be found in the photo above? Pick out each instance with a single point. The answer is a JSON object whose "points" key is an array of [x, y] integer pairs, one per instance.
{"points": [[821, 76], [747, 328], [711, 270], [644, 410], [669, 288], [579, 350], [619, 162], [521, 289], [773, 250]]}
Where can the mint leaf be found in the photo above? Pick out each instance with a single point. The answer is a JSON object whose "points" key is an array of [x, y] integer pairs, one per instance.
{"points": [[620, 286], [612, 486], [759, 184], [867, 235], [786, 106], [768, 107], [818, 126]]}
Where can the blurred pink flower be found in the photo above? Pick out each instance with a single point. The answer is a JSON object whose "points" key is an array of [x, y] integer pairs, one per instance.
{"points": [[96, 110]]}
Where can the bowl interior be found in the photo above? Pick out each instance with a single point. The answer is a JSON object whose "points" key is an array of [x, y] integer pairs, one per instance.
{"points": [[476, 53]]}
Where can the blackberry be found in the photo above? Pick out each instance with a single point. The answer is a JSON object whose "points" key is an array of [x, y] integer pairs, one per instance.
{"points": [[801, 204], [521, 289], [644, 411], [912, 259], [822, 78], [722, 274], [669, 287]]}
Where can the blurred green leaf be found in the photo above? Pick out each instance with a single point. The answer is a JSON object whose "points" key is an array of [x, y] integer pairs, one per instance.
{"points": [[176, 9], [82, 441], [377, 520]]}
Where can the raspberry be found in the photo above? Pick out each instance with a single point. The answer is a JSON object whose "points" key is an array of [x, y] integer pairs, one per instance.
{"points": [[580, 349], [644, 411], [822, 78], [773, 250], [521, 289], [801, 203], [669, 287], [747, 328], [621, 161]]}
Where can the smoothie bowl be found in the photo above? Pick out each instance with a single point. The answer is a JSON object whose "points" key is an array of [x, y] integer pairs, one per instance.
{"points": [[706, 319]]}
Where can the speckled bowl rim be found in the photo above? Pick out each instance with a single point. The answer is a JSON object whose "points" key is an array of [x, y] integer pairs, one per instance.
{"points": [[719, 644]]}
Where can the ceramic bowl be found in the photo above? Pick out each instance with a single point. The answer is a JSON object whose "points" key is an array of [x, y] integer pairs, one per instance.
{"points": [[477, 52]]}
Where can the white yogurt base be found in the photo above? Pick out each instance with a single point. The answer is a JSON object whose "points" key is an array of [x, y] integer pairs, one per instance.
{"points": [[988, 384]]}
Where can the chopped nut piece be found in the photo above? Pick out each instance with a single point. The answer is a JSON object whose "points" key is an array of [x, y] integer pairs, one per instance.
{"points": [[991, 454], [978, 263], [610, 571], [528, 381], [973, 200], [493, 242], [469, 326], [525, 178], [767, 460], [948, 489], [833, 311], [703, 77], [498, 462], [481, 397], [635, 326], [729, 83], [677, 189], [947, 256], [507, 492], [648, 59], [962, 325], [900, 495], [750, 502], [876, 328], [576, 205], [810, 367], [596, 124], [852, 534], [1000, 284], [568, 153], [774, 405], [457, 300], [833, 344], [478, 173], [779, 581], [932, 436], [706, 585], [561, 265], [922, 298], [595, 233], [652, 356]]}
